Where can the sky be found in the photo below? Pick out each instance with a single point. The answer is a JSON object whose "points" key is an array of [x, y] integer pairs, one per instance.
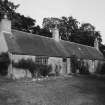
{"points": [[85, 11]]}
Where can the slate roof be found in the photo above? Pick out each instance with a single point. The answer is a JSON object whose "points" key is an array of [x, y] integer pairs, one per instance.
{"points": [[29, 44]]}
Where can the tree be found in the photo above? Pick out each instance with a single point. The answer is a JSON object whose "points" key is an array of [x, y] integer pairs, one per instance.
{"points": [[45, 32], [102, 48], [87, 27], [49, 23], [22, 23], [7, 7], [87, 34], [19, 22], [69, 26], [41, 31], [66, 25], [70, 30]]}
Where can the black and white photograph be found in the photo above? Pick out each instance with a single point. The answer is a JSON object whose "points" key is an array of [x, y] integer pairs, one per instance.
{"points": [[52, 52]]}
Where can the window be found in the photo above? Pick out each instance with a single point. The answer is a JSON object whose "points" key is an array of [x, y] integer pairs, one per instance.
{"points": [[41, 60]]}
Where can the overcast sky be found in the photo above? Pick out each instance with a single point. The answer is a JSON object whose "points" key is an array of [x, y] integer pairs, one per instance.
{"points": [[92, 11]]}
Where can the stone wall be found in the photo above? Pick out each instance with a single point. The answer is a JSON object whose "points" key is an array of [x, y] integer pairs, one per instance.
{"points": [[62, 65], [59, 66], [94, 66], [56, 64], [16, 72], [3, 44]]}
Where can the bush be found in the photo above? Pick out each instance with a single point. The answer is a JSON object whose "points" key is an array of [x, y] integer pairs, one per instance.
{"points": [[35, 69], [73, 64], [44, 70], [83, 68], [24, 64], [4, 63], [102, 71], [57, 70]]}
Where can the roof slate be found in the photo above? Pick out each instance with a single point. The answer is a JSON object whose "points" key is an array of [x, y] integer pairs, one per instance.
{"points": [[31, 44]]}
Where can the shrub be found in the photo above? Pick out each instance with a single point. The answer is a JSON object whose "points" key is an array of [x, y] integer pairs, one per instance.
{"points": [[35, 69], [44, 70], [73, 64], [4, 63], [57, 70], [83, 68], [102, 71], [26, 64]]}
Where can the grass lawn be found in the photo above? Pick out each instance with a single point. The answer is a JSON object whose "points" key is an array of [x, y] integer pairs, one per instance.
{"points": [[75, 90]]}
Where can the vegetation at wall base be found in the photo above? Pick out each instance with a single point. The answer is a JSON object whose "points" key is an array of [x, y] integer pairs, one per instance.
{"points": [[102, 70], [79, 65], [36, 70], [4, 63]]}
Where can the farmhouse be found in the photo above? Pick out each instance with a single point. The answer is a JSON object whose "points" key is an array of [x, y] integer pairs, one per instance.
{"points": [[43, 50]]}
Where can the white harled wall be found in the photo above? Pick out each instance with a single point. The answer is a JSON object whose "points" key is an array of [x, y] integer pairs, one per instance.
{"points": [[3, 44], [57, 64], [17, 73]]}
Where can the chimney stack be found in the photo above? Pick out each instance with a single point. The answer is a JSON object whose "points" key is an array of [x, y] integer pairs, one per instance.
{"points": [[55, 33], [5, 24], [96, 43]]}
